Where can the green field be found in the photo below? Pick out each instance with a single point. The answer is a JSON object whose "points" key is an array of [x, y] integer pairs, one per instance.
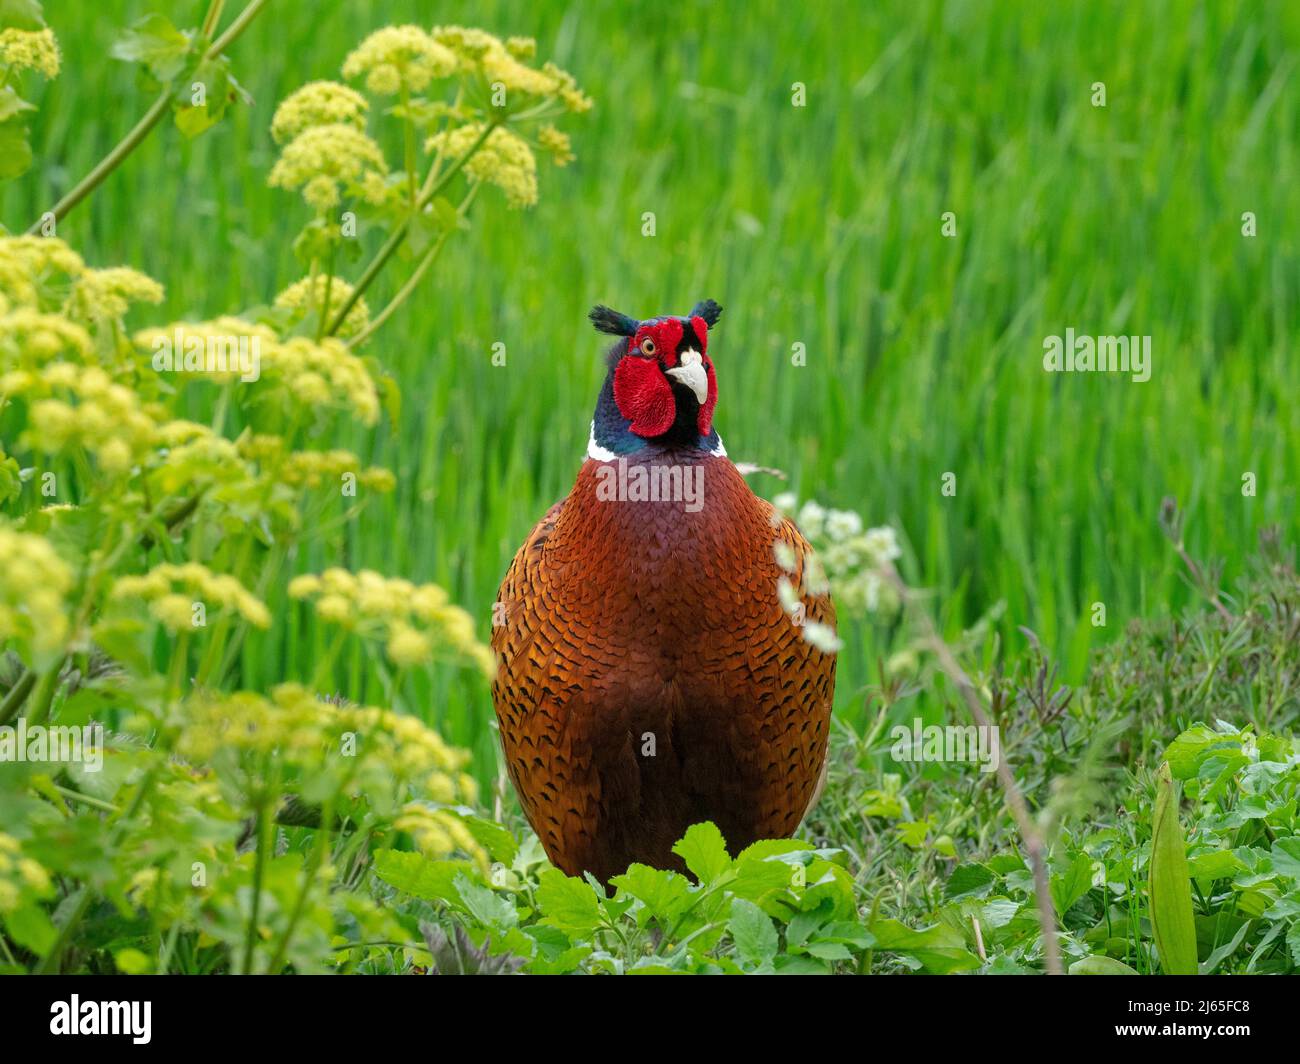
{"points": [[818, 225]]}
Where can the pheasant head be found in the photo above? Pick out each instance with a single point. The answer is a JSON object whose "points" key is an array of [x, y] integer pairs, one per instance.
{"points": [[660, 391]]}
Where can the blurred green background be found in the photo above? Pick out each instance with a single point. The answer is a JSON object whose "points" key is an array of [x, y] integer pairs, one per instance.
{"points": [[817, 225]]}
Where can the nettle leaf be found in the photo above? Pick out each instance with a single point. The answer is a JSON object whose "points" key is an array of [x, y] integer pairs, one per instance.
{"points": [[569, 904], [497, 840], [704, 850], [1293, 942], [753, 932], [1169, 885], [156, 43]]}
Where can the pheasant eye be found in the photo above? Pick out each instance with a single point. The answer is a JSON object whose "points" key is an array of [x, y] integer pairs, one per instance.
{"points": [[647, 346]]}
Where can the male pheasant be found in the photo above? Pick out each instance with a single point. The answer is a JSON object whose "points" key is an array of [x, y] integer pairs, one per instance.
{"points": [[649, 677]]}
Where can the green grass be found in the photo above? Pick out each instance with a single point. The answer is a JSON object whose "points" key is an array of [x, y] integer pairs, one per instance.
{"points": [[818, 225]]}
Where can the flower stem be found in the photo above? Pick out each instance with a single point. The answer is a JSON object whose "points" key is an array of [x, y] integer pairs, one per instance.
{"points": [[17, 696], [398, 235], [151, 118], [413, 281]]}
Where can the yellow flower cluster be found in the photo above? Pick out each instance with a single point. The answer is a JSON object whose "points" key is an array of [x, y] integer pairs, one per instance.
{"points": [[30, 50], [556, 144], [31, 338], [311, 469], [372, 753], [324, 375], [437, 832], [399, 56], [308, 294], [172, 591], [34, 581], [318, 103], [28, 261], [326, 160], [415, 621], [209, 349], [107, 420], [502, 63], [192, 456], [21, 878], [504, 160], [100, 295]]}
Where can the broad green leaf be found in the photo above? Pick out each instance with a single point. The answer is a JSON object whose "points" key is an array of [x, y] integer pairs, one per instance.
{"points": [[752, 931], [1185, 752], [1169, 885], [940, 948], [664, 895], [568, 903], [1286, 857], [419, 877], [704, 850], [968, 881], [488, 907]]}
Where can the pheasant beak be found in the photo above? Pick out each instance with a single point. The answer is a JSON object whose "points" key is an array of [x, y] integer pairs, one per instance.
{"points": [[690, 371]]}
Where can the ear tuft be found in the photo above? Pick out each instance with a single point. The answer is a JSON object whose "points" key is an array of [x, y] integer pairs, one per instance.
{"points": [[708, 310], [612, 322]]}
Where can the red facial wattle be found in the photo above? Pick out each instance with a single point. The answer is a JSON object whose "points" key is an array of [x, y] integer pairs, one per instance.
{"points": [[644, 396], [643, 393]]}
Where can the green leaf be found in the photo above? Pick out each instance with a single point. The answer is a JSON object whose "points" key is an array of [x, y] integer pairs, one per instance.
{"points": [[12, 104], [1098, 964], [664, 895], [1169, 885], [1293, 942], [132, 962], [704, 850], [939, 949], [1185, 752], [31, 928], [15, 150], [155, 42], [1072, 884], [1286, 857], [21, 15], [752, 931], [488, 907], [421, 878], [968, 881], [497, 840], [568, 903]]}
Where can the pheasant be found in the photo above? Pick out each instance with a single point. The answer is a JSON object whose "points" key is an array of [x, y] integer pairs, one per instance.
{"points": [[649, 677]]}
